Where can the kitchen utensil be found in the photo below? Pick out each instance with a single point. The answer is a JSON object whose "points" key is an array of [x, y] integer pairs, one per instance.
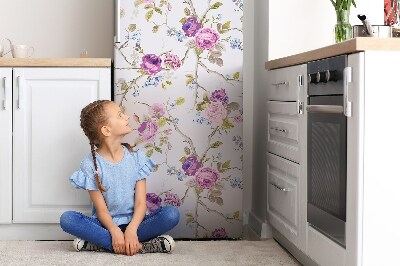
{"points": [[2, 53], [368, 30], [22, 51]]}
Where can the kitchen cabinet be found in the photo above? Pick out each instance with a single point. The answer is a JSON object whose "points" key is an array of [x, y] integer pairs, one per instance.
{"points": [[285, 122], [371, 108], [42, 144]]}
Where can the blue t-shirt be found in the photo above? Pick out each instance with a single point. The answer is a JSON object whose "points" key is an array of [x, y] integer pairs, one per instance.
{"points": [[118, 178]]}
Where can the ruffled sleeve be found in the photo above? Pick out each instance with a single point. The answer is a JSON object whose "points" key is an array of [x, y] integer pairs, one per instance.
{"points": [[84, 177], [145, 165]]}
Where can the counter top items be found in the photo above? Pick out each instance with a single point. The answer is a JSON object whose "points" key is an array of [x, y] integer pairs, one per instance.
{"points": [[2, 47], [22, 50], [348, 47], [55, 62], [368, 30], [343, 30]]}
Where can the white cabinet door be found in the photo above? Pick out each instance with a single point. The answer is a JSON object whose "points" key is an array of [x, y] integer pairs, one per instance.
{"points": [[48, 141], [5, 146]]}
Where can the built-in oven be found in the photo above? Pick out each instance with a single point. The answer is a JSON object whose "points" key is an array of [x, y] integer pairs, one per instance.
{"points": [[327, 148]]}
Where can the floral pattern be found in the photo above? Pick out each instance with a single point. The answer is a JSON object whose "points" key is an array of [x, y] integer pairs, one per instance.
{"points": [[180, 79]]}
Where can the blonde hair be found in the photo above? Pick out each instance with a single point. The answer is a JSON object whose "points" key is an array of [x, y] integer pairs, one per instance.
{"points": [[93, 117]]}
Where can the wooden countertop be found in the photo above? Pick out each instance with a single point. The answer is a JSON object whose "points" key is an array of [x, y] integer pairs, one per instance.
{"points": [[348, 47], [55, 62]]}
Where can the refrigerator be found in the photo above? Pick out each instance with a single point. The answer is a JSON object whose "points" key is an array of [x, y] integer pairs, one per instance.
{"points": [[178, 74]]}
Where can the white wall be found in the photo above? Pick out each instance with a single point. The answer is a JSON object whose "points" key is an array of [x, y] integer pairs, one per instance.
{"points": [[59, 28], [301, 25]]}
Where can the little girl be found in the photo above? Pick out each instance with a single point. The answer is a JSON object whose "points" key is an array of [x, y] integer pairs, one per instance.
{"points": [[115, 177]]}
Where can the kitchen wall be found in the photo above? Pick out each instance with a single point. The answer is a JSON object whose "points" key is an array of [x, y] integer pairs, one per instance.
{"points": [[59, 28], [302, 25]]}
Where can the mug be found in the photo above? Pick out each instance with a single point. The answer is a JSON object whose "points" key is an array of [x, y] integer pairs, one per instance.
{"points": [[22, 51], [2, 46]]}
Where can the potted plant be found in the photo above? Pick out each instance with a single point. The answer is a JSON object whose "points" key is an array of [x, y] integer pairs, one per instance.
{"points": [[343, 29]]}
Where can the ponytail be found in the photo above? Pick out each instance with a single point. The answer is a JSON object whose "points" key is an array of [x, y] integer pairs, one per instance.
{"points": [[96, 173], [128, 146]]}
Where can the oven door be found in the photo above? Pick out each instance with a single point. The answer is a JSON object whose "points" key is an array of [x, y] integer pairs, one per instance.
{"points": [[326, 166]]}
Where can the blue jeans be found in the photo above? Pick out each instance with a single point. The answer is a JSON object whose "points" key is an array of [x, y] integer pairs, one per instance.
{"points": [[90, 229]]}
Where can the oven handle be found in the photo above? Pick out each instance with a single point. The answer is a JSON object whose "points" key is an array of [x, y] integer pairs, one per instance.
{"points": [[335, 109]]}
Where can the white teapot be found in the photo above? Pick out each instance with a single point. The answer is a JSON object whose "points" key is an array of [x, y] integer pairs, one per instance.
{"points": [[2, 46]]}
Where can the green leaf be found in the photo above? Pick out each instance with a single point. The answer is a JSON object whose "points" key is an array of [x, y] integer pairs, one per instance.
{"points": [[168, 82], [163, 86], [186, 150], [236, 75], [216, 5], [198, 51], [158, 10], [183, 20], [158, 149], [226, 26], [161, 122], [236, 215], [216, 144], [124, 86], [180, 101], [198, 190], [201, 106], [138, 2], [183, 159], [149, 15], [226, 164], [132, 27], [148, 6], [226, 124], [148, 145], [233, 106], [149, 153]]}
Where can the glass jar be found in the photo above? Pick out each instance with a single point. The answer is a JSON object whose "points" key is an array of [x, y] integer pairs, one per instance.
{"points": [[343, 30]]}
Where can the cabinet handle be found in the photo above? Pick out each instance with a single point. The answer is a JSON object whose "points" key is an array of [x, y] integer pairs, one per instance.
{"points": [[20, 88], [280, 129], [5, 93], [284, 83], [279, 187]]}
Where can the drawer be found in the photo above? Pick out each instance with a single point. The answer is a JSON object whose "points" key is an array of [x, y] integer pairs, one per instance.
{"points": [[283, 196], [283, 130], [284, 84]]}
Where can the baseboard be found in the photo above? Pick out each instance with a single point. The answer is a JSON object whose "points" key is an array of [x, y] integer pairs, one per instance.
{"points": [[260, 228], [33, 232], [292, 249]]}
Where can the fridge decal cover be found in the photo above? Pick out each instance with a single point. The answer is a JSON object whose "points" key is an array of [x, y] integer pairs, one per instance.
{"points": [[178, 72]]}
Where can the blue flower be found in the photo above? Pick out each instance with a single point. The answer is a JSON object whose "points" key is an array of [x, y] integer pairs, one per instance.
{"points": [[153, 80], [180, 175], [236, 44], [135, 93], [237, 183]]}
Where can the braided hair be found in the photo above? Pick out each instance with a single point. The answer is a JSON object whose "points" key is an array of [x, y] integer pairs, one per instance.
{"points": [[93, 117]]}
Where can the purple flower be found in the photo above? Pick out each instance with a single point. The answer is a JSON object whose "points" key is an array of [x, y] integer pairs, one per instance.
{"points": [[219, 96], [172, 61], [151, 64], [219, 233], [216, 113], [206, 38], [191, 26], [157, 110], [148, 131], [191, 165], [172, 200], [206, 177], [153, 201]]}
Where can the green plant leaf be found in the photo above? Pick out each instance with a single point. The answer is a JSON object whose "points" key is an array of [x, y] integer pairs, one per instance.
{"points": [[158, 10], [158, 149], [236, 75], [226, 164], [148, 6], [149, 15], [149, 153], [226, 124], [183, 159], [236, 215], [138, 2], [182, 20], [132, 27], [216, 5], [216, 144]]}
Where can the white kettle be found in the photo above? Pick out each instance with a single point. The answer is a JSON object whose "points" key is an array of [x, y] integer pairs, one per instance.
{"points": [[2, 53]]}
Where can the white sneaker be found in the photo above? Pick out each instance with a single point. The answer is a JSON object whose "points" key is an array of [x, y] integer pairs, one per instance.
{"points": [[160, 244], [83, 245]]}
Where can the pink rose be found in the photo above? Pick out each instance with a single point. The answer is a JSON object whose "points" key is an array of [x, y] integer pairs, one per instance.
{"points": [[238, 119], [206, 177], [172, 61], [216, 112], [151, 64], [148, 131], [206, 38], [157, 110]]}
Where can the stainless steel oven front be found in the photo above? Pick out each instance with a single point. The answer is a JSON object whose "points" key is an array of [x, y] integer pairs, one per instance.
{"points": [[327, 148]]}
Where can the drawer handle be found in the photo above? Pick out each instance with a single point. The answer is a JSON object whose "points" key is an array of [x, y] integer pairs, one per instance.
{"points": [[280, 129], [284, 83], [279, 187], [5, 93]]}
